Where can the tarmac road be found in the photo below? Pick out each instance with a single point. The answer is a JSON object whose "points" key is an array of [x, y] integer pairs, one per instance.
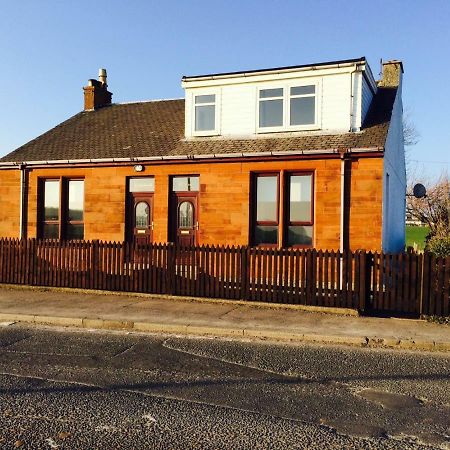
{"points": [[78, 389]]}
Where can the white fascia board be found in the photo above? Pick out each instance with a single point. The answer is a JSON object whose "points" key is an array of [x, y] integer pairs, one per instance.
{"points": [[147, 158], [266, 76], [172, 157]]}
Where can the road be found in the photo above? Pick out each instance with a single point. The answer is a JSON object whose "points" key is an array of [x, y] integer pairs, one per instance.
{"points": [[78, 389]]}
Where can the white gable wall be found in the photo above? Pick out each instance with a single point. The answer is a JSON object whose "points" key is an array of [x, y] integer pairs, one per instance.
{"points": [[394, 181]]}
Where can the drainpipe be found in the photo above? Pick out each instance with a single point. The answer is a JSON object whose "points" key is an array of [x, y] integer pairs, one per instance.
{"points": [[23, 203], [342, 209], [352, 98], [342, 215]]}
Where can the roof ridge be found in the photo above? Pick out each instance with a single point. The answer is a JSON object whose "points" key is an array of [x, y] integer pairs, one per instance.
{"points": [[149, 101]]}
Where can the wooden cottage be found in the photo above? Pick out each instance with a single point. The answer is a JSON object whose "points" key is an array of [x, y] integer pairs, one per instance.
{"points": [[308, 156]]}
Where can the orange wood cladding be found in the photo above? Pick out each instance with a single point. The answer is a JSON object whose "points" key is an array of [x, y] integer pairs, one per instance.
{"points": [[223, 200], [10, 203]]}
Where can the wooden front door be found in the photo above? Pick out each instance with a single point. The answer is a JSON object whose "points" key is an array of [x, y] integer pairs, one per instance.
{"points": [[140, 213], [185, 219]]}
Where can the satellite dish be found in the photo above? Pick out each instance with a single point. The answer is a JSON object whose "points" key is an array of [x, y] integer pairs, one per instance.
{"points": [[419, 190]]}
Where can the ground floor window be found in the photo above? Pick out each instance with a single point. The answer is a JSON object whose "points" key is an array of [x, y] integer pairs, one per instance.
{"points": [[266, 221], [299, 211], [61, 209], [288, 208]]}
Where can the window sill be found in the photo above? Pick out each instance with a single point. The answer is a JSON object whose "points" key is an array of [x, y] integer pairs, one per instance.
{"points": [[205, 133], [287, 129]]}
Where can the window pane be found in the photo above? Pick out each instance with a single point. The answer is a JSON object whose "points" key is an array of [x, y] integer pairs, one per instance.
{"points": [[142, 184], [300, 198], [75, 231], [76, 199], [265, 234], [205, 99], [271, 113], [266, 199], [185, 184], [303, 90], [51, 200], [186, 215], [51, 231], [303, 110], [300, 235], [265, 93], [142, 215], [205, 118]]}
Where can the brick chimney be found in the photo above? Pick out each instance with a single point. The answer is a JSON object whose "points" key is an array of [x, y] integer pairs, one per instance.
{"points": [[392, 74], [96, 94]]}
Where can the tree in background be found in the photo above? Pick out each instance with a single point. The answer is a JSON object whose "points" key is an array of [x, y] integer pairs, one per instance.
{"points": [[434, 211], [410, 138]]}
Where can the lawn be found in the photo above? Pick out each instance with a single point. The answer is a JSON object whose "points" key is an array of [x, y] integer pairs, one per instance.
{"points": [[416, 234]]}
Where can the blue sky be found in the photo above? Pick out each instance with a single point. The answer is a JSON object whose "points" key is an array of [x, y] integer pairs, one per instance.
{"points": [[49, 49]]}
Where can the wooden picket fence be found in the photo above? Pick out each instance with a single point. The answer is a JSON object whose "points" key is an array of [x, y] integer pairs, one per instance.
{"points": [[406, 283]]}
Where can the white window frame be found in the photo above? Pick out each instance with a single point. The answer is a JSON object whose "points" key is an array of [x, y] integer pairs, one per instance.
{"points": [[217, 103], [287, 106], [259, 100]]}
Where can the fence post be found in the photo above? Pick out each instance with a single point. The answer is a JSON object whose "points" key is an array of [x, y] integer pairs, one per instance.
{"points": [[171, 269], [364, 267], [244, 281], [94, 265]]}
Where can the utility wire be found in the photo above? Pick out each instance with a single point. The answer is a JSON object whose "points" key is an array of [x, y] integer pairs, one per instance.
{"points": [[430, 162]]}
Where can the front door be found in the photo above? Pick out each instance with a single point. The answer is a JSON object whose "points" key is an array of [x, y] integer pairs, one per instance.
{"points": [[141, 215], [184, 211]]}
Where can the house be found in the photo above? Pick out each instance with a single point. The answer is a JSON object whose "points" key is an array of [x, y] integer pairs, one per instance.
{"points": [[309, 155]]}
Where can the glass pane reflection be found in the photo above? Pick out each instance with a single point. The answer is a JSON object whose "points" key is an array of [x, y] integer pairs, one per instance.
{"points": [[76, 199], [51, 231], [300, 198], [75, 231], [300, 235], [186, 215], [51, 200], [205, 118], [303, 110], [185, 184], [271, 113], [266, 199], [142, 184], [142, 215], [265, 234]]}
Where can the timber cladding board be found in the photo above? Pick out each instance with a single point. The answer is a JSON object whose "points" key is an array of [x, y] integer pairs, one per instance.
{"points": [[366, 196], [223, 199], [10, 203]]}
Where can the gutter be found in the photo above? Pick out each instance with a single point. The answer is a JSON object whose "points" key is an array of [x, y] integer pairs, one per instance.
{"points": [[153, 159]]}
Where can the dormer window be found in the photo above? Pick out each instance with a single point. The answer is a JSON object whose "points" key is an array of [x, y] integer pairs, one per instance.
{"points": [[205, 114], [288, 108]]}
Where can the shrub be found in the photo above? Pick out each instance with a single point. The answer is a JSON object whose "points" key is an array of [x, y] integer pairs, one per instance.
{"points": [[440, 246]]}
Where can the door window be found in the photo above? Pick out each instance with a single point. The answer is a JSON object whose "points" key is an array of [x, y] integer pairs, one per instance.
{"points": [[186, 215], [142, 215]]}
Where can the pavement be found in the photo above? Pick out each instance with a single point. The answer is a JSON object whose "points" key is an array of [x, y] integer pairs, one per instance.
{"points": [[216, 318]]}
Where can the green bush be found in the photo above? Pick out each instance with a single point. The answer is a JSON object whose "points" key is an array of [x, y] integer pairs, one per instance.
{"points": [[440, 246]]}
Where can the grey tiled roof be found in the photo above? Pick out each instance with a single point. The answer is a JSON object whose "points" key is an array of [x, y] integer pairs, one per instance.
{"points": [[150, 129]]}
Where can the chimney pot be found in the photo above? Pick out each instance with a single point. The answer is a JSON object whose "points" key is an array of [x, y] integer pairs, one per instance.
{"points": [[102, 76]]}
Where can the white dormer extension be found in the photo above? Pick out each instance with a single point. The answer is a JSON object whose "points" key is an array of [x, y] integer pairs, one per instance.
{"points": [[325, 97]]}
